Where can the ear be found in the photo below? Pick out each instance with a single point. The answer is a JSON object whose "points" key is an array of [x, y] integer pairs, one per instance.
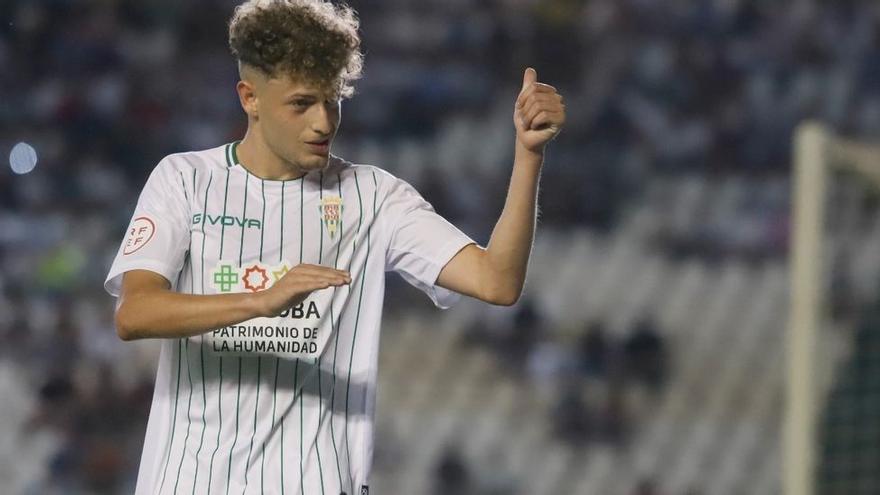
{"points": [[247, 96]]}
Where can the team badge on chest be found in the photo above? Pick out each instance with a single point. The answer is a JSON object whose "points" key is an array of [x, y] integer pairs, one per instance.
{"points": [[331, 212]]}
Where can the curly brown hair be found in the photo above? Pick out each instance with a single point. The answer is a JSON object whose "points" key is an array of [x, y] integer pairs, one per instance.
{"points": [[312, 39]]}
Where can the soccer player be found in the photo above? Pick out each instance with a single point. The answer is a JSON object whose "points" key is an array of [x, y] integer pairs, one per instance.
{"points": [[260, 264]]}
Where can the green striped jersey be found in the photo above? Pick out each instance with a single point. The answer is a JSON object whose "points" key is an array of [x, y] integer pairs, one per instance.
{"points": [[274, 405]]}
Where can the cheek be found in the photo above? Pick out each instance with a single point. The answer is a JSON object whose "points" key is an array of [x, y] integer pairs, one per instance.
{"points": [[284, 126]]}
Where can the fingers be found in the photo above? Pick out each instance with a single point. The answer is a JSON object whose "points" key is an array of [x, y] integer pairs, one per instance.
{"points": [[550, 107], [289, 295], [546, 98], [533, 88], [538, 105], [306, 278], [306, 287], [336, 280], [529, 76], [545, 119], [310, 283], [538, 102], [319, 271], [542, 116], [317, 268], [298, 283]]}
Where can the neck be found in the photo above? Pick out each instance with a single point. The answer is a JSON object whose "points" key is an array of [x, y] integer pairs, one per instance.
{"points": [[254, 155]]}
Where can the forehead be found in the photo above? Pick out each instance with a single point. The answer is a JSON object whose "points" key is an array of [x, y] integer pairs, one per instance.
{"points": [[287, 85]]}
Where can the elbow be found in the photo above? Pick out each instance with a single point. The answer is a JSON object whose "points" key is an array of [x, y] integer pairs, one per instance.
{"points": [[501, 289], [505, 301], [125, 329], [507, 297]]}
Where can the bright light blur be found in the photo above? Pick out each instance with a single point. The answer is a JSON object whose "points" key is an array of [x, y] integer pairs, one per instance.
{"points": [[22, 158]]}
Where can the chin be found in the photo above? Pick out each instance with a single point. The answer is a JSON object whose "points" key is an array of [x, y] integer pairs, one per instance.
{"points": [[315, 162], [310, 162]]}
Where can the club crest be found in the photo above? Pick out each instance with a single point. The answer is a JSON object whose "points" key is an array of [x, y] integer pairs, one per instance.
{"points": [[331, 212]]}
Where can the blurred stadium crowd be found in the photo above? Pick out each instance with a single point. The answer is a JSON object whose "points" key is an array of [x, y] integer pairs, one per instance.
{"points": [[656, 90]]}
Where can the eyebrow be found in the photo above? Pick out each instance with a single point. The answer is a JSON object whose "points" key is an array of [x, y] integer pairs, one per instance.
{"points": [[303, 95]]}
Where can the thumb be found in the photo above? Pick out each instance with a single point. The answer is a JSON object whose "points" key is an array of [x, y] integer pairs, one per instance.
{"points": [[529, 77]]}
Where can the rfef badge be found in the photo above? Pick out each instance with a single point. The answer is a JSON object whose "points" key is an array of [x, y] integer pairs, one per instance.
{"points": [[331, 212], [140, 232]]}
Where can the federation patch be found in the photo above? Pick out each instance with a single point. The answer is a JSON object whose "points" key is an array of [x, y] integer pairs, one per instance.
{"points": [[140, 232], [331, 212]]}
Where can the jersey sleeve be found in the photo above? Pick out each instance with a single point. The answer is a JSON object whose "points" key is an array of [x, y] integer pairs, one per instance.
{"points": [[158, 236], [421, 241]]}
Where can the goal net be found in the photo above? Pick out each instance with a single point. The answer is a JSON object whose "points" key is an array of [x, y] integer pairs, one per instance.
{"points": [[831, 431]]}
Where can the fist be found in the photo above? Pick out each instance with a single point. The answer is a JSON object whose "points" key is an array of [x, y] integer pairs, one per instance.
{"points": [[538, 114]]}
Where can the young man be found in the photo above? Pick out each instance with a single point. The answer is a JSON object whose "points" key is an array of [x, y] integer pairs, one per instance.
{"points": [[261, 265]]}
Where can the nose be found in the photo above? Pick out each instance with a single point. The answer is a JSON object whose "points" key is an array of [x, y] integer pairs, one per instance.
{"points": [[325, 121]]}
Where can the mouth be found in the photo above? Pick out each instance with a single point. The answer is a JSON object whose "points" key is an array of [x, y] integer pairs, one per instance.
{"points": [[319, 147]]}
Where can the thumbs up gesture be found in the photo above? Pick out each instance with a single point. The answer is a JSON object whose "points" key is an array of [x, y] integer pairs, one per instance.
{"points": [[539, 113]]}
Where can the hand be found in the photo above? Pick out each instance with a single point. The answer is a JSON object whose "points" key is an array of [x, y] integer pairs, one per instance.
{"points": [[296, 285], [539, 113]]}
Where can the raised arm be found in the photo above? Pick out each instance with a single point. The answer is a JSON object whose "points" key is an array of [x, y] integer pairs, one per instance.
{"points": [[148, 308], [496, 274]]}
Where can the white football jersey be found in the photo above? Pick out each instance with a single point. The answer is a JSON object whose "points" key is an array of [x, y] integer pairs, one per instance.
{"points": [[275, 405]]}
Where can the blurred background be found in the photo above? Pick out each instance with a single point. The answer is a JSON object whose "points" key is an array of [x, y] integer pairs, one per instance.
{"points": [[647, 354]]}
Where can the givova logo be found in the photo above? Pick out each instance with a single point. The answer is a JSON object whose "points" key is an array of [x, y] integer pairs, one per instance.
{"points": [[227, 220]]}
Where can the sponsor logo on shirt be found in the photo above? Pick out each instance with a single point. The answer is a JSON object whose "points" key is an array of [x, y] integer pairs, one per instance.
{"points": [[140, 232], [293, 333], [228, 220], [253, 277]]}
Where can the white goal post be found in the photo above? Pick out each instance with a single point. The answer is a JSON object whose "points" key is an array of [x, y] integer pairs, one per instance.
{"points": [[816, 151]]}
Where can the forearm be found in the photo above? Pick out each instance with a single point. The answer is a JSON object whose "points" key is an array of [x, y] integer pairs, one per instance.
{"points": [[507, 254], [169, 314], [496, 274]]}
